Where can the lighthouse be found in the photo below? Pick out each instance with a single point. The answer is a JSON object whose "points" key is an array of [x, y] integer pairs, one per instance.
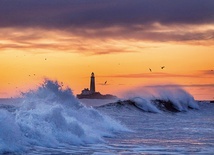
{"points": [[92, 83], [92, 94]]}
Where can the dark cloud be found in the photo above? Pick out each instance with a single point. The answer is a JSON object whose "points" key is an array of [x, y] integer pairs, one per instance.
{"points": [[210, 85], [147, 20], [199, 74], [63, 14], [31, 39], [3, 93], [151, 75], [207, 73]]}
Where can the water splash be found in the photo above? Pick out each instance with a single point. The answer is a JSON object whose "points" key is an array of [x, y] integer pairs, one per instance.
{"points": [[50, 117], [180, 98]]}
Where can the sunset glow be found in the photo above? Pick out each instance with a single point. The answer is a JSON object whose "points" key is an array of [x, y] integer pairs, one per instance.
{"points": [[119, 49]]}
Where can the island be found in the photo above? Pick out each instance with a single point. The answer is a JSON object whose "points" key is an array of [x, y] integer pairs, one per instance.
{"points": [[92, 94]]}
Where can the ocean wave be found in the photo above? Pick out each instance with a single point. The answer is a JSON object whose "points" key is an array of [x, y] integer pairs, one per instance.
{"points": [[51, 116], [157, 99]]}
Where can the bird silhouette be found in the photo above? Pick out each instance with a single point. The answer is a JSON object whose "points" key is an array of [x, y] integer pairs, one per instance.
{"points": [[105, 82], [162, 67], [150, 69]]}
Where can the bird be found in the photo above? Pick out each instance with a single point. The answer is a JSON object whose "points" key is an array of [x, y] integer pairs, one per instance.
{"points": [[162, 67], [150, 69], [105, 82]]}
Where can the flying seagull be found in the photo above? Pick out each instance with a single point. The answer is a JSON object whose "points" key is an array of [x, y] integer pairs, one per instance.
{"points": [[162, 67], [105, 82], [150, 69]]}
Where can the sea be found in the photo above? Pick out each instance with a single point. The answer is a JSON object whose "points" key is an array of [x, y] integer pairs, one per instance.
{"points": [[51, 120]]}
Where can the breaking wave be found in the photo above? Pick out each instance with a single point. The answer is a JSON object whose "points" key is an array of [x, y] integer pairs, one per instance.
{"points": [[158, 99], [51, 116]]}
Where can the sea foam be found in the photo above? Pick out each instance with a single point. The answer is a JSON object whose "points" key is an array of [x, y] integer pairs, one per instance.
{"points": [[180, 98], [50, 117]]}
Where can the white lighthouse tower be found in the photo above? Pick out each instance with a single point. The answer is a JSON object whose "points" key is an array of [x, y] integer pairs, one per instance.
{"points": [[92, 84]]}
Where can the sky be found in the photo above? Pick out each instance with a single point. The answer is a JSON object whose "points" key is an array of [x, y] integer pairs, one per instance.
{"points": [[118, 40]]}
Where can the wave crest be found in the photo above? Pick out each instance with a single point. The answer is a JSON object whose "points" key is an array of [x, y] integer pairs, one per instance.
{"points": [[180, 99], [51, 116]]}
